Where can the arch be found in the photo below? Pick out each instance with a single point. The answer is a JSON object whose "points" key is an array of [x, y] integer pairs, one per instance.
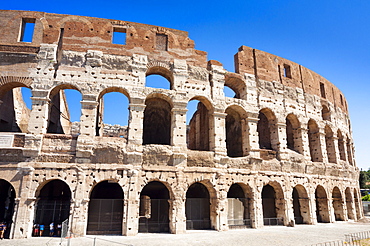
{"points": [[325, 113], [273, 204], [113, 122], [237, 84], [105, 212], [161, 70], [59, 119], [157, 121], [349, 204], [239, 201], [314, 141], [52, 205], [14, 113], [341, 146], [154, 208], [198, 129], [301, 206], [338, 204], [293, 133], [7, 204], [235, 131], [266, 128], [330, 147], [357, 204], [197, 207], [322, 209]]}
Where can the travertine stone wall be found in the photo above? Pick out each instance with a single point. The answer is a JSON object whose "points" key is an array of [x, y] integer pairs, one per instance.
{"points": [[287, 127]]}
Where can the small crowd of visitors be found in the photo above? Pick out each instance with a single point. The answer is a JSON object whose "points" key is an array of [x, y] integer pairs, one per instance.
{"points": [[38, 230]]}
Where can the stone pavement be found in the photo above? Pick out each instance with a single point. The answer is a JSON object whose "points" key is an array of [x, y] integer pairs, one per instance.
{"points": [[270, 235]]}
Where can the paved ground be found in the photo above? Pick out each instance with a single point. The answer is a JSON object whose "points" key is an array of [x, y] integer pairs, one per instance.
{"points": [[272, 235]]}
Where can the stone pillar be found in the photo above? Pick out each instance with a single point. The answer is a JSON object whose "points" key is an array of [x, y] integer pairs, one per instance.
{"points": [[25, 211], [279, 142], [305, 142], [131, 206], [252, 136], [139, 68], [257, 210], [312, 202], [39, 116], [180, 74], [221, 211], [178, 126], [336, 148], [218, 136], [289, 210], [79, 206], [321, 149], [177, 215], [331, 211], [84, 148], [136, 120]]}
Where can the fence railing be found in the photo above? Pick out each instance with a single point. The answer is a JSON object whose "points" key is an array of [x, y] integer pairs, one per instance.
{"points": [[351, 239], [273, 221]]}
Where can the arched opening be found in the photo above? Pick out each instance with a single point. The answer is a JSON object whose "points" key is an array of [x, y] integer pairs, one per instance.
{"points": [[325, 113], [159, 77], [239, 207], [234, 133], [301, 205], [234, 86], [330, 147], [105, 212], [197, 207], [264, 133], [338, 204], [271, 206], [230, 92], [154, 208], [14, 110], [341, 146], [7, 196], [314, 141], [64, 110], [198, 136], [322, 210], [357, 204], [293, 133], [113, 113], [349, 204], [157, 122], [349, 151], [52, 206]]}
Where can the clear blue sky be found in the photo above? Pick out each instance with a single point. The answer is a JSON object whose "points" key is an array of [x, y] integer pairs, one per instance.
{"points": [[329, 37]]}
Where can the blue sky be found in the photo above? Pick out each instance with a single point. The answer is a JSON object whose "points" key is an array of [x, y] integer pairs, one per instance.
{"points": [[329, 37]]}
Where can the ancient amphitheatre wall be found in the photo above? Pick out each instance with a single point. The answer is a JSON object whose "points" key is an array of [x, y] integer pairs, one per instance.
{"points": [[280, 152]]}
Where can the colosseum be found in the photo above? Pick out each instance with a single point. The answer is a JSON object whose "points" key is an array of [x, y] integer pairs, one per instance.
{"points": [[280, 152]]}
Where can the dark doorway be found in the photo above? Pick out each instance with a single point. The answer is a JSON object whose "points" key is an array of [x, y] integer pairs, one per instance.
{"points": [[53, 205], [154, 208], [7, 195], [238, 215], [338, 204], [105, 209], [297, 207], [322, 210], [197, 208], [269, 206], [234, 134]]}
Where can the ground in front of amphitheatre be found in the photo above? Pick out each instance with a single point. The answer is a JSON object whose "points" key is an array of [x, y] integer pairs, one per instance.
{"points": [[269, 235]]}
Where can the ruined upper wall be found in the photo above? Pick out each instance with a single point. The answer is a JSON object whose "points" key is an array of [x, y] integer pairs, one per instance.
{"points": [[269, 67], [87, 33]]}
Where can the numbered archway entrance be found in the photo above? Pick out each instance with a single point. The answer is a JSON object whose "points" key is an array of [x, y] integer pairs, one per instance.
{"points": [[105, 209], [154, 208], [7, 195], [197, 208], [53, 205], [322, 209]]}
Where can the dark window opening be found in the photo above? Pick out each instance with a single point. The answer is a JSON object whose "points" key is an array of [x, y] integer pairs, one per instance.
{"points": [[341, 99], [239, 207], [28, 27], [119, 36], [161, 42], [287, 71], [338, 204], [198, 126], [233, 133], [197, 208], [322, 210], [322, 90], [325, 113], [264, 134], [7, 197]]}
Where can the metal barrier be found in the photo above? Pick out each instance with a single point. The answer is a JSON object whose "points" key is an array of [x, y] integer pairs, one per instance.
{"points": [[273, 221], [352, 239], [96, 240]]}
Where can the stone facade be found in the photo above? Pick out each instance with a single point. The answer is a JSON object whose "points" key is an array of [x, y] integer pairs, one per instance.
{"points": [[279, 152]]}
